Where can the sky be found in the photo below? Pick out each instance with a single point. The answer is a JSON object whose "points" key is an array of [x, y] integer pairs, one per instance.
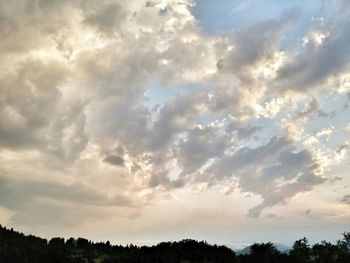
{"points": [[145, 121]]}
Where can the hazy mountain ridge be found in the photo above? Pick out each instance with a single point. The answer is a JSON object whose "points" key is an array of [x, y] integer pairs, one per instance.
{"points": [[280, 247]]}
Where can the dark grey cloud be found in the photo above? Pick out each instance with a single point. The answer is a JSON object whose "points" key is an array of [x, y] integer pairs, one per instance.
{"points": [[17, 194], [176, 116], [28, 101], [312, 106], [114, 160], [316, 63], [342, 148], [32, 112], [107, 18], [242, 130], [273, 216], [47, 203], [256, 43], [275, 171], [201, 144], [346, 199]]}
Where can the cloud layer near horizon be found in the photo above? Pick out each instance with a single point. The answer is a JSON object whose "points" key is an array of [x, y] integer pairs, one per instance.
{"points": [[83, 122]]}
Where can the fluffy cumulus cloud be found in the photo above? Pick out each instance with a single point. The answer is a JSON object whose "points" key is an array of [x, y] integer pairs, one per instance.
{"points": [[243, 111]]}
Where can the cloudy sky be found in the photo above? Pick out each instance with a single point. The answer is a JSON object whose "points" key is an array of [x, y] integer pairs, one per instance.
{"points": [[144, 121]]}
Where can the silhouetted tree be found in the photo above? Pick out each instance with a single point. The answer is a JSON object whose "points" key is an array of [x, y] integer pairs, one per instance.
{"points": [[301, 251], [324, 252], [264, 252], [343, 247]]}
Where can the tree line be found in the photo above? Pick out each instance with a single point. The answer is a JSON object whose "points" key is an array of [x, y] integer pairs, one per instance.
{"points": [[16, 247]]}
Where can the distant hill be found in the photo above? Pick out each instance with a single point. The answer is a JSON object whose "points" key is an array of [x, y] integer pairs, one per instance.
{"points": [[280, 247]]}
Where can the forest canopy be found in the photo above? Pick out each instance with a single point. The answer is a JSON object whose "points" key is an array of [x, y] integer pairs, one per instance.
{"points": [[16, 247]]}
